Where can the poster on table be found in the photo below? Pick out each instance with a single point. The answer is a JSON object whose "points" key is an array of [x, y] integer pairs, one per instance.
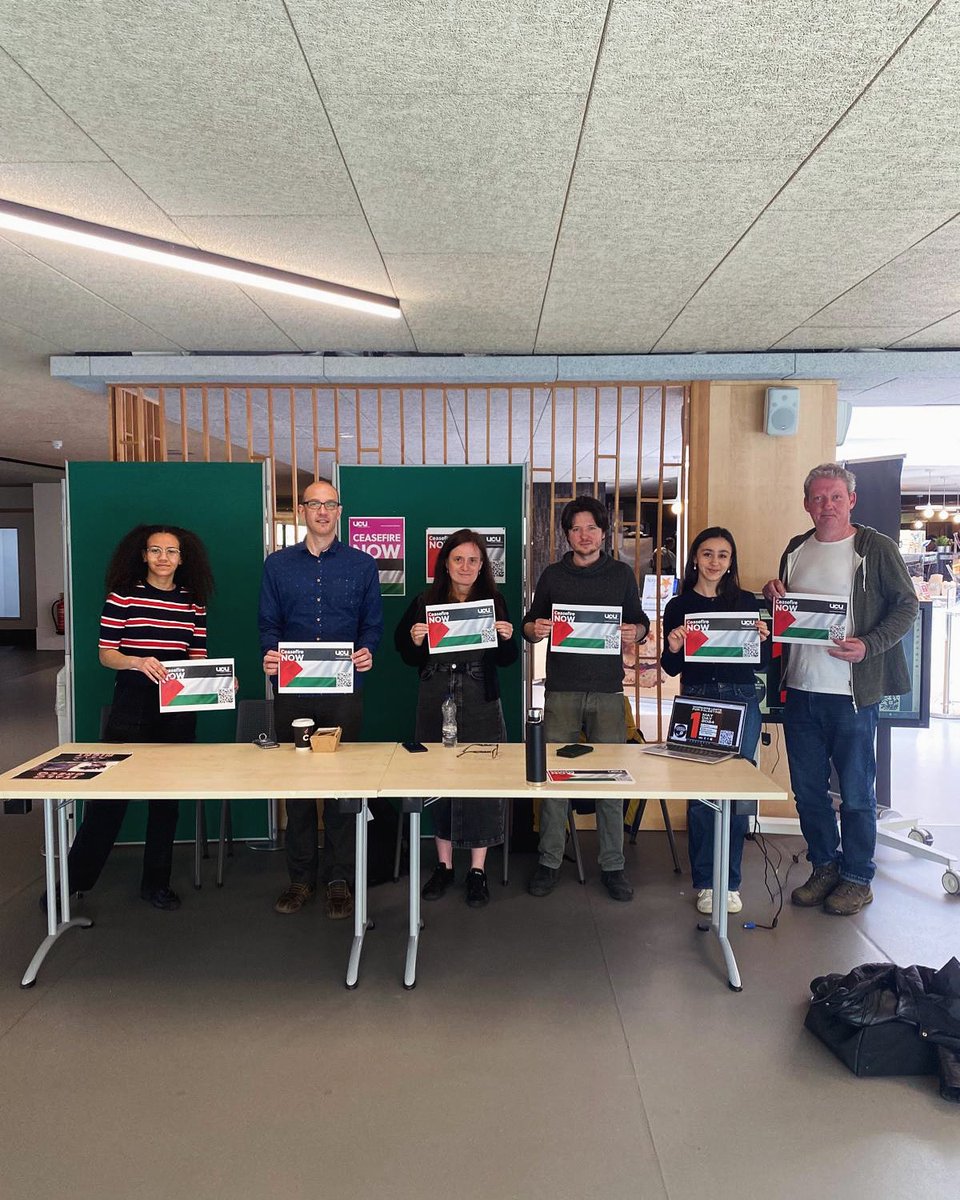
{"points": [[800, 619], [453, 627], [585, 629], [654, 599], [315, 668], [496, 539], [722, 637], [197, 685], [383, 538], [73, 766], [585, 775]]}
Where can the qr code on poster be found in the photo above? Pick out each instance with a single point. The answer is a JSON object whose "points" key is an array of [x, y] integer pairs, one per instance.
{"points": [[838, 632], [488, 637], [343, 679], [225, 694], [611, 641], [726, 737]]}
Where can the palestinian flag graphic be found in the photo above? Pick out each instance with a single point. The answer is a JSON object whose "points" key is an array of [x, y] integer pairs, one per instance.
{"points": [[722, 637], [469, 626], [197, 685], [802, 619], [586, 629], [314, 667]]}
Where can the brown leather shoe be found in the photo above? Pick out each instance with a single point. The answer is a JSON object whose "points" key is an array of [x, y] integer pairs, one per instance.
{"points": [[848, 898], [818, 887], [339, 900], [294, 897]]}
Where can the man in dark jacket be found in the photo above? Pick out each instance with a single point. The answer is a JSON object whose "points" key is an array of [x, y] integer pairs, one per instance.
{"points": [[584, 692], [833, 695]]}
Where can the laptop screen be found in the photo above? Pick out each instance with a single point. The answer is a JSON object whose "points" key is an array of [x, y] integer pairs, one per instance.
{"points": [[712, 724]]}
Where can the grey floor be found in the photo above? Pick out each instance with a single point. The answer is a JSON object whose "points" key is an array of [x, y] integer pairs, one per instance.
{"points": [[558, 1048]]}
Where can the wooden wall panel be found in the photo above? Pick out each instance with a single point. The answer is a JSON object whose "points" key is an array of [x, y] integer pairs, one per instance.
{"points": [[752, 483]]}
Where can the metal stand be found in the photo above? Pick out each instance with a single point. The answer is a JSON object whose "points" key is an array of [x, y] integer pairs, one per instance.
{"points": [[917, 841], [55, 928], [274, 839], [414, 807], [721, 874], [360, 922]]}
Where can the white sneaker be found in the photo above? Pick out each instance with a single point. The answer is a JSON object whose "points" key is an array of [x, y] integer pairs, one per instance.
{"points": [[705, 901], [734, 903]]}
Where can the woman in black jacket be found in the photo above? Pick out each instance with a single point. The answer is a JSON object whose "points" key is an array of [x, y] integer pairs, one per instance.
{"points": [[462, 574], [711, 583]]}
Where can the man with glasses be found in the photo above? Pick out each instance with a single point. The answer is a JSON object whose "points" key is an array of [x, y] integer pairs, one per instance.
{"points": [[584, 692], [320, 591]]}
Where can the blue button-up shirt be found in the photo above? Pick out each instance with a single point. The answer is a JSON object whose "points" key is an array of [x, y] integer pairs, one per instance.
{"points": [[328, 597]]}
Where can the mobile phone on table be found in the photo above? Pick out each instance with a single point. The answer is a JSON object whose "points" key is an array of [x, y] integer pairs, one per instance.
{"points": [[414, 747], [574, 750]]}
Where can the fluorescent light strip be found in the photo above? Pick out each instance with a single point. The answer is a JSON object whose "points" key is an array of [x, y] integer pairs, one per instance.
{"points": [[21, 218]]}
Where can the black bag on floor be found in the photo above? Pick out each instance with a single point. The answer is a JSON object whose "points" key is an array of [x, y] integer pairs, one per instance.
{"points": [[881, 1019]]}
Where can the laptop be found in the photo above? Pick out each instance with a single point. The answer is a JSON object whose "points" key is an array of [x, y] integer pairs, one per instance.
{"points": [[705, 731]]}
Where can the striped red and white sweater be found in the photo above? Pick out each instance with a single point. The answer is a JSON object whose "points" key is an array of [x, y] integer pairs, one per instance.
{"points": [[151, 622]]}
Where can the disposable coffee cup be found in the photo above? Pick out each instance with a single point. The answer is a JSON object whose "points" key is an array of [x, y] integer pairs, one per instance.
{"points": [[303, 727]]}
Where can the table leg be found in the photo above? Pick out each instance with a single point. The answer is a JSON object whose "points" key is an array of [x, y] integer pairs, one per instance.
{"points": [[721, 874], [360, 923], [413, 933], [52, 811]]}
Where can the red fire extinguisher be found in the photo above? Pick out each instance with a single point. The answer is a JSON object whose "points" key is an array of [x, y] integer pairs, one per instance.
{"points": [[56, 612]]}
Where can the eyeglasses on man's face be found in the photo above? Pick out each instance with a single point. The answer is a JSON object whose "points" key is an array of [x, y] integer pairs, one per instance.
{"points": [[316, 505], [163, 551]]}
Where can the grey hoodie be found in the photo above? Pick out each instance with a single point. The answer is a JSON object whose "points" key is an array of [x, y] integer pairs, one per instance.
{"points": [[883, 606]]}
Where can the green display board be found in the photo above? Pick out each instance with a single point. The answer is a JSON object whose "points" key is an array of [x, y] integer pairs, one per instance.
{"points": [[431, 497], [224, 504]]}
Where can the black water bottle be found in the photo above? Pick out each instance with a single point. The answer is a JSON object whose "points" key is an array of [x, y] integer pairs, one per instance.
{"points": [[536, 747]]}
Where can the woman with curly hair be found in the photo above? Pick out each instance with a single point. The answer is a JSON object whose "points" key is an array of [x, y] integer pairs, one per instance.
{"points": [[462, 573], [158, 583]]}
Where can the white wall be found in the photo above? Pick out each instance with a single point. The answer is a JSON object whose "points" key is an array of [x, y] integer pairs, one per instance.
{"points": [[48, 555], [16, 512]]}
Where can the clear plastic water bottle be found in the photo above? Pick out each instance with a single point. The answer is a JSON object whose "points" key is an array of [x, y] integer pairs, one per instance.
{"points": [[448, 712]]}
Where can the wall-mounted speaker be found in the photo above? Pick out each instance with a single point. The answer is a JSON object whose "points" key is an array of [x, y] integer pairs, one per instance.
{"points": [[781, 411]]}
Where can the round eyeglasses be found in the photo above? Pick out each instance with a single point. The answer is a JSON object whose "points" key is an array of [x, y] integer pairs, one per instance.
{"points": [[158, 551]]}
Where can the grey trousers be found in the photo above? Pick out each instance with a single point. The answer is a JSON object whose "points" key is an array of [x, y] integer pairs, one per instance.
{"points": [[600, 716]]}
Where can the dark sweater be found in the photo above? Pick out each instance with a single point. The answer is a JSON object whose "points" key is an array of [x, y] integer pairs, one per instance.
{"points": [[692, 674], [420, 657], [607, 581]]}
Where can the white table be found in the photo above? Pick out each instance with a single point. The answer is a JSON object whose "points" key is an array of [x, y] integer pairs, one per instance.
{"points": [[440, 772], [202, 772]]}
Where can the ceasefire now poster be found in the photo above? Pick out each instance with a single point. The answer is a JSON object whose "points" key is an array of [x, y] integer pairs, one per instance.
{"points": [[384, 539]]}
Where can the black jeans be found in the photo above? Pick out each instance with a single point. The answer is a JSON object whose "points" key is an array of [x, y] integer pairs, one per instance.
{"points": [[340, 840], [102, 818]]}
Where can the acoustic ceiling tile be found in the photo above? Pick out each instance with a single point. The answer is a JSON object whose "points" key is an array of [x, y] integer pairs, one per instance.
{"points": [[318, 327], [739, 327], [216, 116], [692, 78], [474, 173], [32, 127], [98, 192], [36, 297], [841, 337], [193, 312], [470, 47], [944, 333], [338, 248]]}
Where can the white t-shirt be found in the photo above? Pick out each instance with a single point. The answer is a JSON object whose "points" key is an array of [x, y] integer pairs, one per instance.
{"points": [[821, 569]]}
